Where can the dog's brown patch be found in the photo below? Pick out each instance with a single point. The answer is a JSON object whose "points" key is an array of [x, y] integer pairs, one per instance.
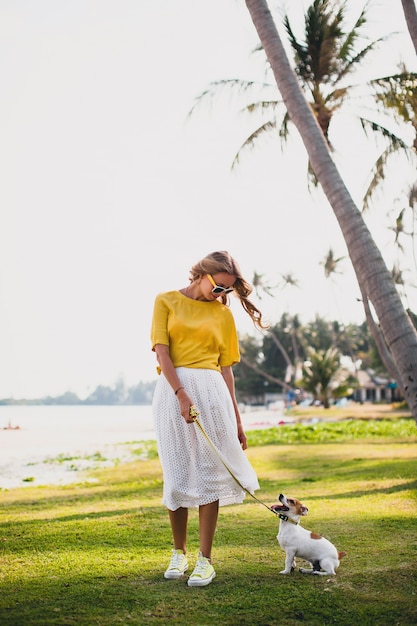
{"points": [[298, 507], [315, 536], [342, 554]]}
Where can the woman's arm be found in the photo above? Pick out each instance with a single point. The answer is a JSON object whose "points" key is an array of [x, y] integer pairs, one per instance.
{"points": [[170, 373], [229, 378]]}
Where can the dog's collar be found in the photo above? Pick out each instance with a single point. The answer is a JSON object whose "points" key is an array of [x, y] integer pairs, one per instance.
{"points": [[285, 518]]}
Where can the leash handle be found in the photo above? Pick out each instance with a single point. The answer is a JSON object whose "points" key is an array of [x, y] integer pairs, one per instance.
{"points": [[197, 422]]}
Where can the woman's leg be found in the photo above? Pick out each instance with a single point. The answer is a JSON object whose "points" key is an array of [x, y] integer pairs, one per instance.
{"points": [[178, 520], [208, 514]]}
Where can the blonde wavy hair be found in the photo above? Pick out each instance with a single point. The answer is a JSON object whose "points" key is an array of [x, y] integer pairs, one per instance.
{"points": [[222, 261]]}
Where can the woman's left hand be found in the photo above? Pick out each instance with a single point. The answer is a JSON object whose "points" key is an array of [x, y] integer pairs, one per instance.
{"points": [[242, 437]]}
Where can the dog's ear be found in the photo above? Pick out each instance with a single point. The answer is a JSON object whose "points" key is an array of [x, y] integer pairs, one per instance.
{"points": [[304, 510]]}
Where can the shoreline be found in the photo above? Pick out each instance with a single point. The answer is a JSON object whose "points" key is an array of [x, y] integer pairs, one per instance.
{"points": [[64, 468], [52, 455]]}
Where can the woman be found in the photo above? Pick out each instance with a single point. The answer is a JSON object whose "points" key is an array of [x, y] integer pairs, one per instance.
{"points": [[194, 337]]}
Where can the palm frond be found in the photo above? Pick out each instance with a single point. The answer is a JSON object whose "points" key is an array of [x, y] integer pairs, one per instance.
{"points": [[378, 171], [260, 132], [397, 275], [262, 105], [284, 130], [395, 142], [412, 196], [324, 30], [335, 98], [301, 52], [378, 174], [312, 180], [412, 204], [352, 36], [328, 56], [232, 87], [355, 61], [314, 56]]}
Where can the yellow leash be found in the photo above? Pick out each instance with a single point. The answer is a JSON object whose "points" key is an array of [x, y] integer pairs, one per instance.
{"points": [[194, 413]]}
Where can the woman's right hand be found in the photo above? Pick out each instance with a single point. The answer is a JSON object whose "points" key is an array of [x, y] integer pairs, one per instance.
{"points": [[185, 405]]}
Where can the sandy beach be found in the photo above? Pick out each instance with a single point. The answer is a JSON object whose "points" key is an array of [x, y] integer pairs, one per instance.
{"points": [[42, 445]]}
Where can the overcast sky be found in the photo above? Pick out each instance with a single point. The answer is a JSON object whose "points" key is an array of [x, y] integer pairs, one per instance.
{"points": [[108, 194]]}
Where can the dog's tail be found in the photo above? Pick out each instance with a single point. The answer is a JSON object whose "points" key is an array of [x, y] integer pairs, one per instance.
{"points": [[342, 554]]}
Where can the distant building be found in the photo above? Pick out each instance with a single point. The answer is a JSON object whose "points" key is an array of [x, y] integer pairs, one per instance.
{"points": [[373, 388]]}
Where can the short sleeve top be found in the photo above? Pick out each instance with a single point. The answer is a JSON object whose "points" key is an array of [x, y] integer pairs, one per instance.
{"points": [[199, 334]]}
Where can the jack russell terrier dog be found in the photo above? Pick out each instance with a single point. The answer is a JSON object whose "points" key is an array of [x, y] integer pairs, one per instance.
{"points": [[297, 541]]}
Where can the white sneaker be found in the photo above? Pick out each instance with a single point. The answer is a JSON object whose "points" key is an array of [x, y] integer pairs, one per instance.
{"points": [[177, 565], [203, 573]]}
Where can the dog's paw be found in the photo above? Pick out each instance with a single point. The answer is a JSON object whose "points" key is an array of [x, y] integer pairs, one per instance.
{"points": [[284, 571]]}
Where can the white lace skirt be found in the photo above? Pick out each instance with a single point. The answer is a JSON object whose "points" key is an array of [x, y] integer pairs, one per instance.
{"points": [[193, 473]]}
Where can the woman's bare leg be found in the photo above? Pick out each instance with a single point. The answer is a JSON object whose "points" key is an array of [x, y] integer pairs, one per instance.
{"points": [[178, 520], [208, 514]]}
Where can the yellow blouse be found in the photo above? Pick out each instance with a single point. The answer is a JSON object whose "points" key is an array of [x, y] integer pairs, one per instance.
{"points": [[199, 334]]}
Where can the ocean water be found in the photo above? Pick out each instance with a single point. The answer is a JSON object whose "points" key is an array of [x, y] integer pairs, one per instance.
{"points": [[32, 437], [57, 428]]}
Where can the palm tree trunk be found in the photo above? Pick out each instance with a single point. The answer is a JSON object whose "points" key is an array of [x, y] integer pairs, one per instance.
{"points": [[272, 379], [410, 13], [373, 276], [281, 348], [380, 344]]}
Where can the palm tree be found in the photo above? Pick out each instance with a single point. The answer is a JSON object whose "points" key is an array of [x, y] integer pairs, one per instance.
{"points": [[260, 285], [323, 376], [331, 267], [331, 264], [325, 60], [289, 280], [374, 279], [399, 229]]}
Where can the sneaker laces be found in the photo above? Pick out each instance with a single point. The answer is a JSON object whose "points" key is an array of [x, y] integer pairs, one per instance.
{"points": [[176, 560], [201, 566]]}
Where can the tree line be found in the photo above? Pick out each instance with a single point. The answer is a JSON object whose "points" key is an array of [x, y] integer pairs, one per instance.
{"points": [[320, 358], [117, 394]]}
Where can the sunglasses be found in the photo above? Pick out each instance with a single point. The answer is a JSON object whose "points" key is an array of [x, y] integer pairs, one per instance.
{"points": [[217, 290]]}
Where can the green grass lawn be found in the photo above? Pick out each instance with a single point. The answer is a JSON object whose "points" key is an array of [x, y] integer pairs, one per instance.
{"points": [[94, 553]]}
